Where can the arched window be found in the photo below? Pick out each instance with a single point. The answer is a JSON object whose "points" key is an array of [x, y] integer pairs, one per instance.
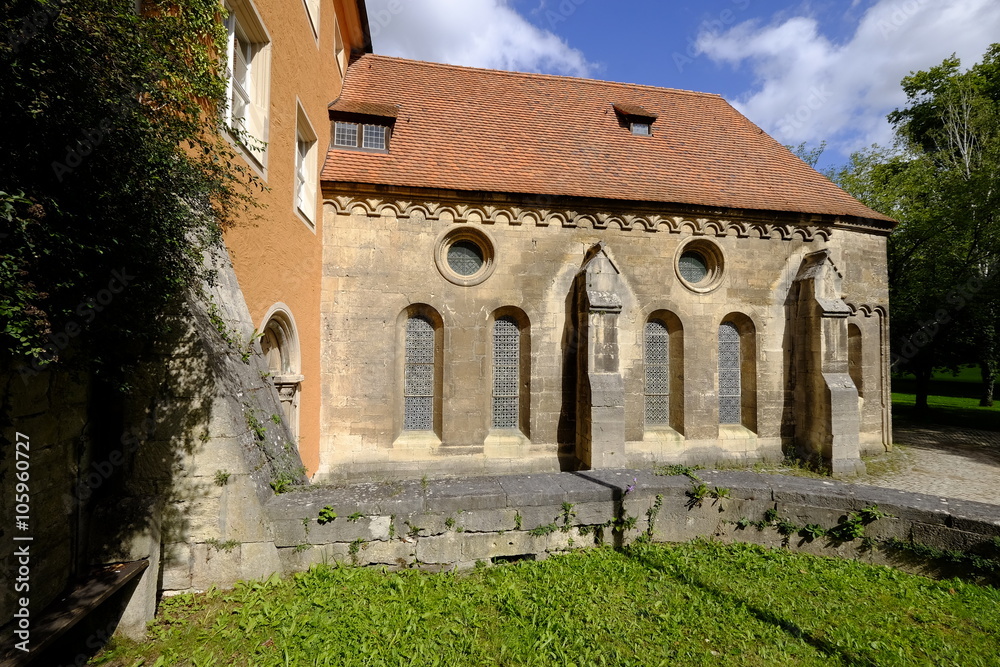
{"points": [[657, 362], [419, 375], [854, 357], [279, 344], [730, 375], [506, 372]]}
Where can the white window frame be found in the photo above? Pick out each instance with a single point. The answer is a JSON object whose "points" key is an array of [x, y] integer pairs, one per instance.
{"points": [[339, 50], [306, 167], [359, 136], [250, 129], [312, 12]]}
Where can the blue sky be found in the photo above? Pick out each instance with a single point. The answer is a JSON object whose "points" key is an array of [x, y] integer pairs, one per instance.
{"points": [[805, 71]]}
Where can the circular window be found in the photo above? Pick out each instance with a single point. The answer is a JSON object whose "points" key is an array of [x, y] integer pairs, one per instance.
{"points": [[465, 255], [465, 258], [699, 264], [693, 267]]}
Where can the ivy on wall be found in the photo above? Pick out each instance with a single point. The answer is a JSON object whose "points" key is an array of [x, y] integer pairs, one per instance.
{"points": [[115, 175]]}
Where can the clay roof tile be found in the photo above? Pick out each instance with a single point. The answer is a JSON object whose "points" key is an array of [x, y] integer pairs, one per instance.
{"points": [[461, 128]]}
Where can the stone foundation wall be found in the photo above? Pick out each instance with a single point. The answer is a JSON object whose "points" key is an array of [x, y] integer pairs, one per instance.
{"points": [[177, 472], [446, 524]]}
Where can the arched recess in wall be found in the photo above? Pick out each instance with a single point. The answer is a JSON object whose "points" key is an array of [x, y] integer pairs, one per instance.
{"points": [[855, 358], [510, 362], [420, 370], [663, 361], [737, 387], [280, 345]]}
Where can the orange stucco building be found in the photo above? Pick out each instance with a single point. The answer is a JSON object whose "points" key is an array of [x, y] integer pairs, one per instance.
{"points": [[287, 64]]}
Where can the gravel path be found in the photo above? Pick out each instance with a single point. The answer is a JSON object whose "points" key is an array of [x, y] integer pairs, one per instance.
{"points": [[943, 461]]}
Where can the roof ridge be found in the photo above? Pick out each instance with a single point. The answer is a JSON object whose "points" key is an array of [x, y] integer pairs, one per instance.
{"points": [[535, 75]]}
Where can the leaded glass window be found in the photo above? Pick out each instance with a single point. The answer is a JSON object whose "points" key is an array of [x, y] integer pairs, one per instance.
{"points": [[730, 385], [465, 257], [506, 372], [657, 374], [418, 380], [693, 267], [345, 134], [374, 137]]}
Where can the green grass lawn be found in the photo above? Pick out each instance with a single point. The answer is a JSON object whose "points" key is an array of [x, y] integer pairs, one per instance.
{"points": [[694, 604], [953, 401]]}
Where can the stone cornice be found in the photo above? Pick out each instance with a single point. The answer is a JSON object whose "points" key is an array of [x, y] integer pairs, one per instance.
{"points": [[423, 209]]}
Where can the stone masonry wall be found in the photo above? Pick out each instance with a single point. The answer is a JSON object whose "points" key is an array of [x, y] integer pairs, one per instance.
{"points": [[176, 472], [443, 524], [380, 260]]}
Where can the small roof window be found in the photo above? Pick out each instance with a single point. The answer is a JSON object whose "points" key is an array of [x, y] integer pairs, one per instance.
{"points": [[365, 126], [635, 117]]}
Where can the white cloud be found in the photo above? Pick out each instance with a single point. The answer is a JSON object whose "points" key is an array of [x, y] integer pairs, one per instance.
{"points": [[477, 33], [811, 88]]}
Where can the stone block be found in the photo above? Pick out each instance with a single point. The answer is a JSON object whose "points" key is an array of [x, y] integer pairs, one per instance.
{"points": [[445, 548], [258, 560], [241, 515], [126, 530], [339, 530], [483, 546], [466, 494], [533, 517], [178, 560], [533, 490], [214, 566], [946, 539], [300, 559], [588, 514], [291, 532], [141, 606], [486, 521], [395, 552]]}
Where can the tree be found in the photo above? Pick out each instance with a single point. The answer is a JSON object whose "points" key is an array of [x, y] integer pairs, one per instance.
{"points": [[940, 181], [810, 156], [115, 175]]}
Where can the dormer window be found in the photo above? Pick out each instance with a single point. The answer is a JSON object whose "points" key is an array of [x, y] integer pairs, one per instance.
{"points": [[360, 135], [636, 118], [373, 136], [362, 125]]}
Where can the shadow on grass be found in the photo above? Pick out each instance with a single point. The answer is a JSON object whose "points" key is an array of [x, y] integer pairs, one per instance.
{"points": [[904, 413], [764, 615]]}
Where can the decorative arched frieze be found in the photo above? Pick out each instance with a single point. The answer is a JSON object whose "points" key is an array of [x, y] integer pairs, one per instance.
{"points": [[543, 216], [783, 232], [861, 309], [715, 227]]}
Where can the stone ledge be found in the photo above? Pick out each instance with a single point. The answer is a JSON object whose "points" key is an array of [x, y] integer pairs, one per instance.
{"points": [[458, 521]]}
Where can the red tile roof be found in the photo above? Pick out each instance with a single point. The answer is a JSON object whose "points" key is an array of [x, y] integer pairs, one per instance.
{"points": [[365, 108], [627, 109], [461, 128]]}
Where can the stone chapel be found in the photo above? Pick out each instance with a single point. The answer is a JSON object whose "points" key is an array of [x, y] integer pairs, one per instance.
{"points": [[525, 272]]}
